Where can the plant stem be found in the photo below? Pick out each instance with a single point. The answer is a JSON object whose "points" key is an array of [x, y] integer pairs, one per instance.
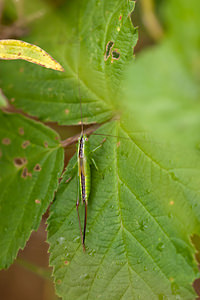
{"points": [[150, 20], [73, 139]]}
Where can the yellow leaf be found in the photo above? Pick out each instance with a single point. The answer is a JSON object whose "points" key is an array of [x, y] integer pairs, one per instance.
{"points": [[15, 49]]}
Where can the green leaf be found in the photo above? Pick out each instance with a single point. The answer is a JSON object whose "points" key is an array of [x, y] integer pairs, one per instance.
{"points": [[182, 28], [31, 162], [77, 35], [15, 49], [169, 104], [142, 210]]}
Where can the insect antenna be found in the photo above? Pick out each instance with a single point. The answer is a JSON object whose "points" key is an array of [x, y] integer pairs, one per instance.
{"points": [[79, 92], [110, 135]]}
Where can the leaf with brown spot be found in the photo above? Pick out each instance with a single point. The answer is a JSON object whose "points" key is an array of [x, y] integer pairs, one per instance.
{"points": [[20, 185], [20, 161], [37, 201], [50, 94], [37, 168], [25, 144], [24, 173], [6, 141]]}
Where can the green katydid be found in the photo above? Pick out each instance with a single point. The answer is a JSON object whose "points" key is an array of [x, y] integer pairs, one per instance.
{"points": [[83, 165], [84, 159]]}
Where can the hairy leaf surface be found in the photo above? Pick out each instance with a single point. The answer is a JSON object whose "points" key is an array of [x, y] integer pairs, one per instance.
{"points": [[142, 211]]}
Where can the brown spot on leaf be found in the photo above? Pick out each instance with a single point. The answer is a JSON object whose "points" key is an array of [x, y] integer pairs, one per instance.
{"points": [[6, 141], [66, 111], [19, 53], [120, 17], [25, 173], [56, 138], [25, 144], [37, 168], [21, 131], [12, 99], [20, 161], [21, 70], [109, 47], [59, 281], [115, 55], [37, 201], [118, 144], [66, 262], [46, 144]]}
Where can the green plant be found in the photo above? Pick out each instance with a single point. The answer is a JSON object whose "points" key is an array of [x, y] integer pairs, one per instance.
{"points": [[144, 211]]}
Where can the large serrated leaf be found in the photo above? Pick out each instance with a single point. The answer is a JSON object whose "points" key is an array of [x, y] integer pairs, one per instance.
{"points": [[31, 162], [77, 34], [142, 211]]}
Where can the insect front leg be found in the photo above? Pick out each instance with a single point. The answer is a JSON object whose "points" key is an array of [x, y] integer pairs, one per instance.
{"points": [[92, 158], [95, 164], [98, 147]]}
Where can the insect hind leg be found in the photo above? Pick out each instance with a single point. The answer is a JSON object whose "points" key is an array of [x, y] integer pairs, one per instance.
{"points": [[85, 223], [79, 220]]}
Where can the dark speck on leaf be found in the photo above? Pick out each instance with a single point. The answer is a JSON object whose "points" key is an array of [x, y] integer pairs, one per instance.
{"points": [[6, 141], [37, 168], [25, 144], [115, 55], [20, 161], [24, 172], [109, 46]]}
